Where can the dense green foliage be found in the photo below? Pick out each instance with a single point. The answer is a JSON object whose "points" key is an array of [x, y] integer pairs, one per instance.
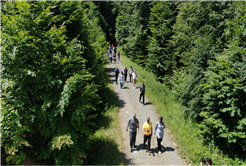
{"points": [[53, 82], [132, 29], [53, 79], [198, 50]]}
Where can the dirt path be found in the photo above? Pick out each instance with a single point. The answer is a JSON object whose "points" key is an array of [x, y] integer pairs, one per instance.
{"points": [[129, 104]]}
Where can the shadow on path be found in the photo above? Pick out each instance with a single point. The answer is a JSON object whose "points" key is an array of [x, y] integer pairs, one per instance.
{"points": [[168, 149], [148, 103], [121, 102]]}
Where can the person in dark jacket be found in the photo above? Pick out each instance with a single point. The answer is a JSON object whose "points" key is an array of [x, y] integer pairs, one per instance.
{"points": [[125, 73], [142, 92], [116, 71]]}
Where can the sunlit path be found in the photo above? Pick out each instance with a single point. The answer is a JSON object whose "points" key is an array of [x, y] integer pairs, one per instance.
{"points": [[128, 102]]}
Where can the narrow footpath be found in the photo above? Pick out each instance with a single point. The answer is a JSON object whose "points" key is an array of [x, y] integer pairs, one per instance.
{"points": [[129, 104]]}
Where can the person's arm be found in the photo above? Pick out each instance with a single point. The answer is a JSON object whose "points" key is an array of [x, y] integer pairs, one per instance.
{"points": [[155, 128], [127, 126], [138, 126], [144, 130], [163, 125], [151, 130]]}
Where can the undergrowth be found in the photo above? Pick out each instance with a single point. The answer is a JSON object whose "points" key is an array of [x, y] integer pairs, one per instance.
{"points": [[107, 142]]}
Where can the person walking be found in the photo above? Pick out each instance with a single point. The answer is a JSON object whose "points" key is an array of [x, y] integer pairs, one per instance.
{"points": [[116, 71], [114, 56], [110, 57], [119, 56], [142, 92], [133, 125], [109, 46], [159, 131], [125, 73], [130, 73], [134, 77], [121, 79], [147, 130]]}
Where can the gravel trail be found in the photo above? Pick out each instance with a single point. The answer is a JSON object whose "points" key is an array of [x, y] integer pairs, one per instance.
{"points": [[129, 104]]}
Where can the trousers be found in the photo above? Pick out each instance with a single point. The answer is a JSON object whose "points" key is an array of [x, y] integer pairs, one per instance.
{"points": [[116, 78], [147, 137], [132, 135], [159, 143], [142, 94]]}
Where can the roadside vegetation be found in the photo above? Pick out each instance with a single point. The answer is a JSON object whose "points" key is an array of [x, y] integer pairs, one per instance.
{"points": [[186, 132], [55, 99], [107, 142]]}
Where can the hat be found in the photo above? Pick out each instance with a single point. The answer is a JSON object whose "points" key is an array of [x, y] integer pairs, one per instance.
{"points": [[148, 118], [161, 117], [134, 114]]}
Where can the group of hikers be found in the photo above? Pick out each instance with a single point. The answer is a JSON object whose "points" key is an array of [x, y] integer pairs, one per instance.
{"points": [[133, 125], [133, 122], [111, 53], [122, 75]]}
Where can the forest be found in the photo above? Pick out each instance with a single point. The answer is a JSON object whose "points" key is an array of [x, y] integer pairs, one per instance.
{"points": [[54, 82]]}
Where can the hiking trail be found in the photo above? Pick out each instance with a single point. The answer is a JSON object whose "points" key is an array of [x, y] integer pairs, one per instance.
{"points": [[128, 99]]}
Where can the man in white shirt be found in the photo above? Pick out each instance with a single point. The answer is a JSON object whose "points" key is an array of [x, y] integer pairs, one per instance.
{"points": [[134, 77]]}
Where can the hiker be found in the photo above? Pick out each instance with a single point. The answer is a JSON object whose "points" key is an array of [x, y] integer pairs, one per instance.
{"points": [[142, 92], [125, 73], [147, 130], [108, 52], [134, 77], [109, 46], [121, 79], [116, 71], [133, 125], [110, 58], [114, 57], [159, 131], [119, 56], [130, 73]]}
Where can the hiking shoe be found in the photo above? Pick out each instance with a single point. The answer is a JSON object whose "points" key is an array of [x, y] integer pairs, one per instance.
{"points": [[159, 152], [131, 150], [134, 146]]}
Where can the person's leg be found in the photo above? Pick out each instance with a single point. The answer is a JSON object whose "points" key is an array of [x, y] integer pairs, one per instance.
{"points": [[149, 140], [159, 143], [143, 98], [134, 138], [140, 96], [145, 139], [125, 77], [131, 136], [116, 79], [130, 77]]}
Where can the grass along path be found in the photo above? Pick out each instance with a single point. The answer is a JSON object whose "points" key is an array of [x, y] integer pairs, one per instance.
{"points": [[185, 132], [107, 142]]}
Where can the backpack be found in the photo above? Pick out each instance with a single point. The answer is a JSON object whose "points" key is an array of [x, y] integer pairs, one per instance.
{"points": [[130, 120]]}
